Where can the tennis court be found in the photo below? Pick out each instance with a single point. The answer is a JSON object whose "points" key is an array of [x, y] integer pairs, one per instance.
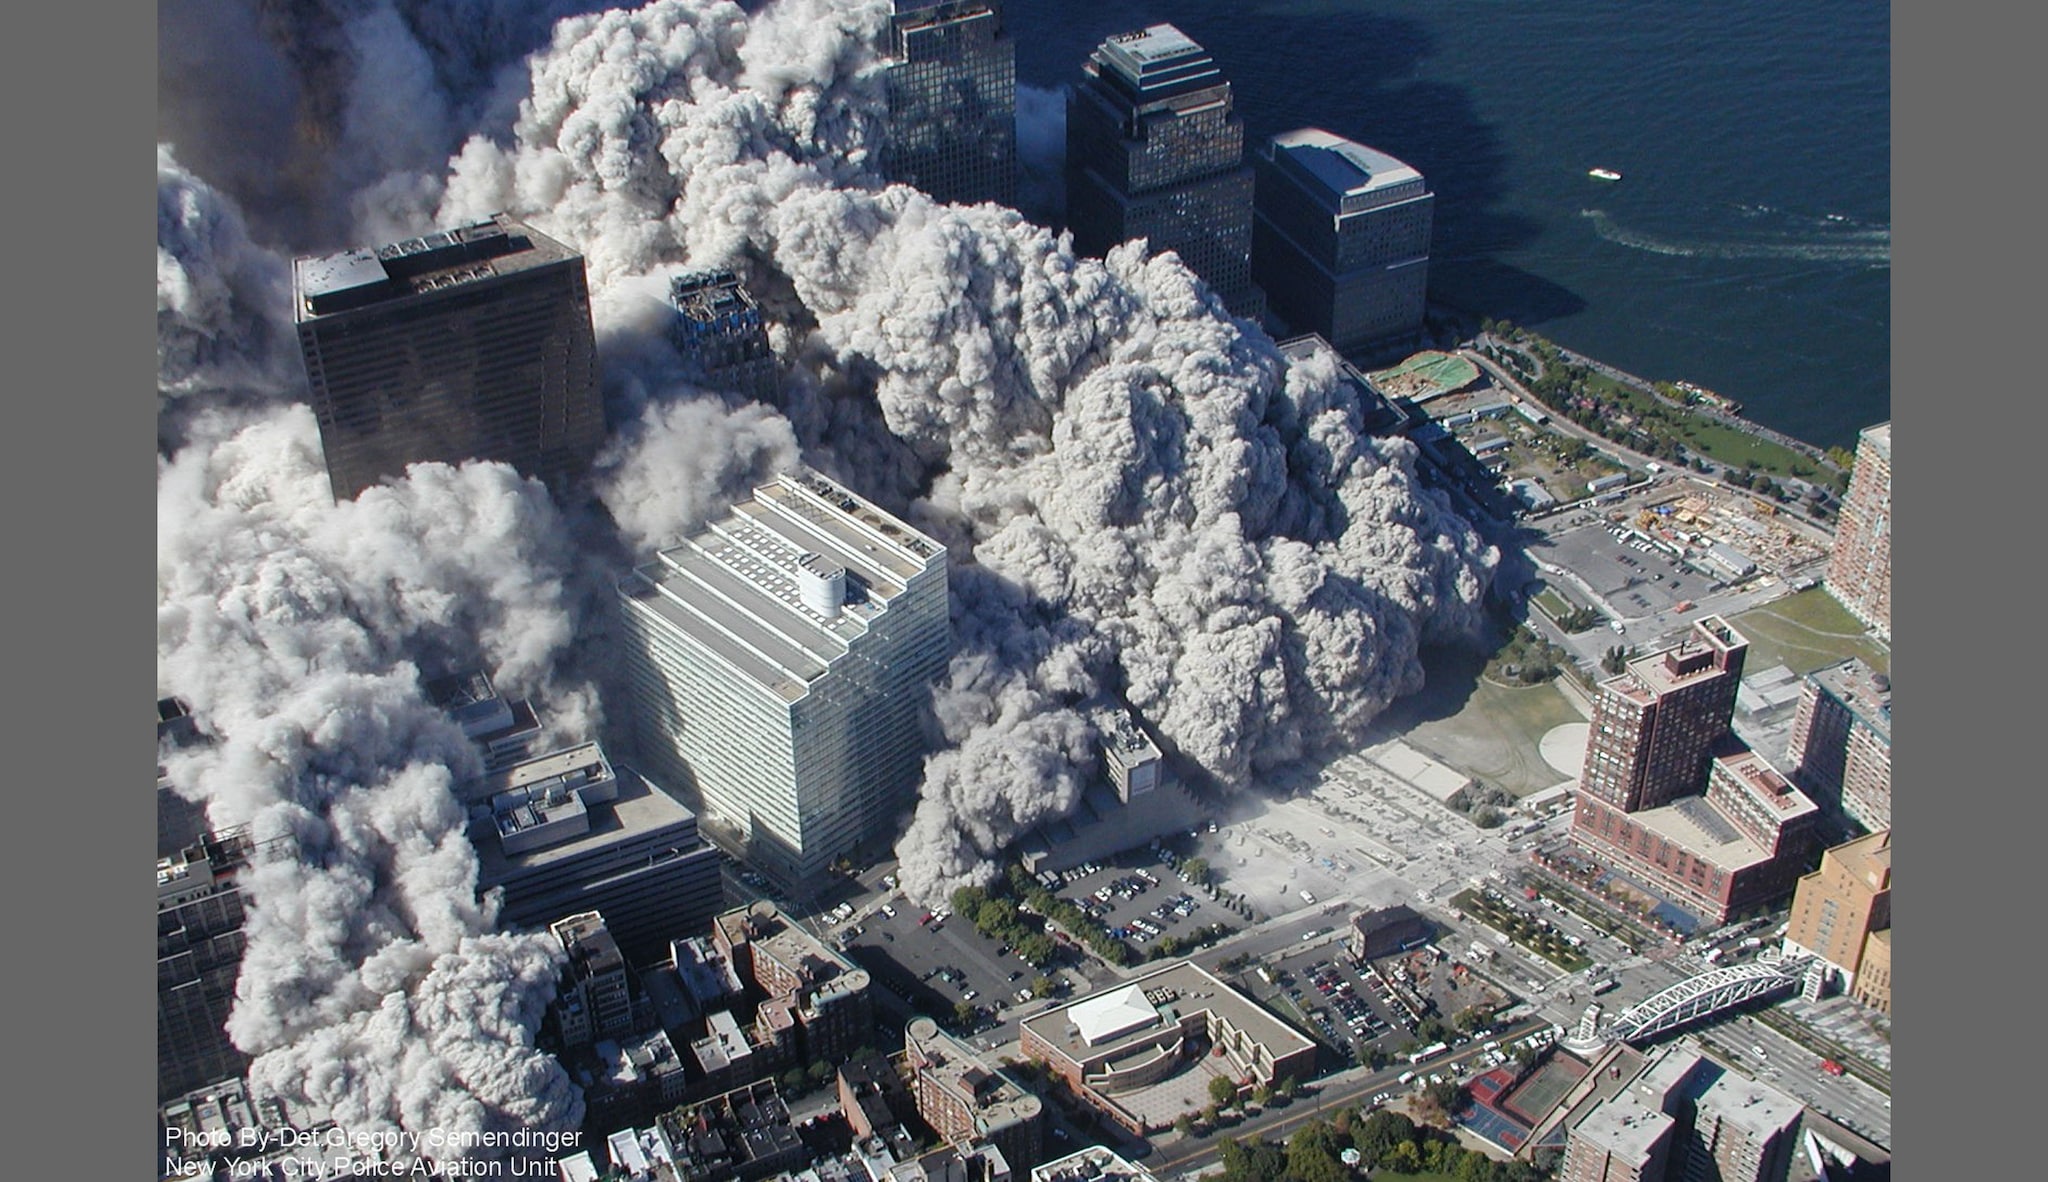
{"points": [[1534, 1099]]}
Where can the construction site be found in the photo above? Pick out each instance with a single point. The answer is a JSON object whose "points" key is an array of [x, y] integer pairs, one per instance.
{"points": [[1732, 533]]}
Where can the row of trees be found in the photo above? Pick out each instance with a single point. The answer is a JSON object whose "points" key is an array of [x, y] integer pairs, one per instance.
{"points": [[1075, 921], [998, 919], [1384, 1140]]}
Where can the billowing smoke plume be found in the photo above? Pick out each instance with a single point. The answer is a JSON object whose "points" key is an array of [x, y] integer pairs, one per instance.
{"points": [[1141, 495], [372, 984], [1209, 529], [221, 300]]}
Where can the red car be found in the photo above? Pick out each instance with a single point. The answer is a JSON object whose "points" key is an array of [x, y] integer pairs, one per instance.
{"points": [[925, 920], [1831, 1067]]}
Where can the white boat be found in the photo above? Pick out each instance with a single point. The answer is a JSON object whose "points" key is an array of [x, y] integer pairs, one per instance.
{"points": [[1603, 174]]}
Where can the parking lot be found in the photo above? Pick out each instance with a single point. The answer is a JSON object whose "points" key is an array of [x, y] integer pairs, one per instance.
{"points": [[1634, 577], [1141, 899], [937, 964]]}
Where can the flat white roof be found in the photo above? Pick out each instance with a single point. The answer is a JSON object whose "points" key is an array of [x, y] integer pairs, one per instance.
{"points": [[1111, 1014], [734, 587], [1345, 167]]}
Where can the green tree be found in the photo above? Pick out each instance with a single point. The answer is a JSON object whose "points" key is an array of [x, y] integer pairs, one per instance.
{"points": [[963, 1014], [1472, 1017], [1262, 1095], [1223, 1090], [967, 902], [1037, 947], [820, 1071], [1043, 987], [1474, 1167], [1197, 870], [1257, 1160], [993, 915], [1312, 1155], [1378, 1135], [794, 1082], [1184, 1125]]}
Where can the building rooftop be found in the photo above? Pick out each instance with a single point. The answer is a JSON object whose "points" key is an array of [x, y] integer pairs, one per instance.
{"points": [[1122, 740], [1688, 661], [1623, 1126], [710, 295], [1159, 68], [1869, 858], [1344, 171], [776, 937], [637, 809], [572, 769], [1093, 1164], [325, 285], [1695, 825], [1763, 782], [744, 589], [1862, 690], [1129, 1014], [996, 1100], [1878, 439], [1752, 1105]]}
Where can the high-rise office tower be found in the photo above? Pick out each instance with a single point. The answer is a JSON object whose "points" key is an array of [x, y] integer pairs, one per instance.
{"points": [[777, 663], [1860, 572], [1841, 751], [1155, 150], [952, 89], [473, 343], [1655, 725], [1340, 242], [721, 335]]}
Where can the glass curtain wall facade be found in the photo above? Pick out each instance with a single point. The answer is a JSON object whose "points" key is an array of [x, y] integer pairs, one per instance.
{"points": [[1341, 240], [1155, 150], [466, 344], [952, 90], [778, 663]]}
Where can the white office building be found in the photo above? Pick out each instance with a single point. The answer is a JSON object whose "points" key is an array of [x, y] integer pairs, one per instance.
{"points": [[778, 663]]}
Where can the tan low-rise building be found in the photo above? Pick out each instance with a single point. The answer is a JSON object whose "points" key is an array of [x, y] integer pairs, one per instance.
{"points": [[1113, 1045]]}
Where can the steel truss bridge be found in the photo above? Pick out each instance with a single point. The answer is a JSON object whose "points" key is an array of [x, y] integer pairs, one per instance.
{"points": [[1708, 993]]}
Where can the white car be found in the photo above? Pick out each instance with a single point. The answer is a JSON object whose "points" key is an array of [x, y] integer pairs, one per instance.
{"points": [[888, 911]]}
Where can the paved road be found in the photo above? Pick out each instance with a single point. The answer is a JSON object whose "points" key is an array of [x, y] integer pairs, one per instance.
{"points": [[1194, 1154]]}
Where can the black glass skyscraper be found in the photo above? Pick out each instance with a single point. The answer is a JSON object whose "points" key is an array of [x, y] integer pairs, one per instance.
{"points": [[952, 87], [470, 343], [1155, 150], [1341, 241]]}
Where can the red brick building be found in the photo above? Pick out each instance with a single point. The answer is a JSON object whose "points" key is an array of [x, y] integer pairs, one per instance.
{"points": [[1670, 798]]}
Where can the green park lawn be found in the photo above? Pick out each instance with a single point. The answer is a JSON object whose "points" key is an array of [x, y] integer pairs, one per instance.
{"points": [[1807, 631]]}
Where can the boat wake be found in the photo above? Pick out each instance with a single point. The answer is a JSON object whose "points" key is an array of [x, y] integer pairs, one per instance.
{"points": [[1873, 245]]}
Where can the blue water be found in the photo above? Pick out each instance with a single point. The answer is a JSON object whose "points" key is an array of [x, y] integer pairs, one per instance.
{"points": [[1748, 247]]}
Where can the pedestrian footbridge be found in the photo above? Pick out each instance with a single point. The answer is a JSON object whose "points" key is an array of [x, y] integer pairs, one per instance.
{"points": [[1708, 993]]}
